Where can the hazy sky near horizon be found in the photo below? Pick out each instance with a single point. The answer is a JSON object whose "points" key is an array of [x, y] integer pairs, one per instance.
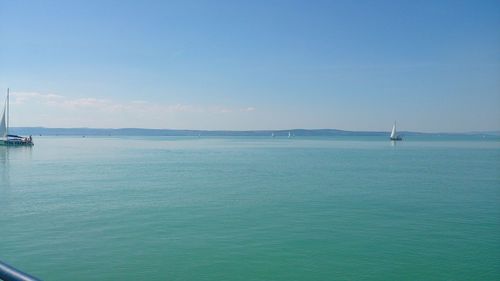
{"points": [[242, 65]]}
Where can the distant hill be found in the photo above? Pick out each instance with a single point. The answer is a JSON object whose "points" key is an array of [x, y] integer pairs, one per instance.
{"points": [[168, 132]]}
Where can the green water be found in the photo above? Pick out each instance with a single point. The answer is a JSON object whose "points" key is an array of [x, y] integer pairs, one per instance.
{"points": [[252, 209]]}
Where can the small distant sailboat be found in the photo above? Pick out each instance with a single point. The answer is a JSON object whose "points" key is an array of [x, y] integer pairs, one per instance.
{"points": [[272, 135], [289, 134], [394, 135], [5, 138]]}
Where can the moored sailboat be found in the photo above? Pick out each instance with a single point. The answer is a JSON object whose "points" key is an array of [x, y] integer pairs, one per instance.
{"points": [[6, 138]]}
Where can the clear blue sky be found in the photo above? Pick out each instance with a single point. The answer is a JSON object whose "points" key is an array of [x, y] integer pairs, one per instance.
{"points": [[356, 65]]}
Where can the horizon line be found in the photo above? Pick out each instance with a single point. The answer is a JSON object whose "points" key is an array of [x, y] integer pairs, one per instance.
{"points": [[259, 130]]}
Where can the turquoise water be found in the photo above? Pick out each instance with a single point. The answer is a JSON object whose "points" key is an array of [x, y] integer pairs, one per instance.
{"points": [[252, 209]]}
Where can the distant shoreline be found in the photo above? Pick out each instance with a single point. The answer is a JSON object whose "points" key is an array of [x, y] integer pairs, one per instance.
{"points": [[172, 132]]}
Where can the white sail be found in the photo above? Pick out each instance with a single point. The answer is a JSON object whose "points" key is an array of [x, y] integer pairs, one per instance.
{"points": [[393, 133], [4, 129], [3, 124]]}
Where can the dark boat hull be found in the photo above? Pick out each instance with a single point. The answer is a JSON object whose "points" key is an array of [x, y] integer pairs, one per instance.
{"points": [[17, 143]]}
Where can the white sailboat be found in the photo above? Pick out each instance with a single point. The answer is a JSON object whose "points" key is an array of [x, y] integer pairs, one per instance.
{"points": [[289, 134], [5, 137], [394, 135]]}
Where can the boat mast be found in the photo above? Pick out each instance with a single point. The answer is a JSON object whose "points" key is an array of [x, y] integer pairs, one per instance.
{"points": [[8, 112]]}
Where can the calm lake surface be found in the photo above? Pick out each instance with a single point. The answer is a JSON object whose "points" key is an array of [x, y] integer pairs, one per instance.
{"points": [[166, 208]]}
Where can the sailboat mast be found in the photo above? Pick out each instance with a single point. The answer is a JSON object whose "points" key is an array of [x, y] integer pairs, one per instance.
{"points": [[8, 111]]}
